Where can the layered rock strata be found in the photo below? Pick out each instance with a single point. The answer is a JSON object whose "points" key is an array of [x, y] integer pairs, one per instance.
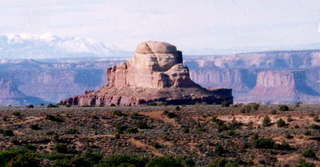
{"points": [[155, 74]]}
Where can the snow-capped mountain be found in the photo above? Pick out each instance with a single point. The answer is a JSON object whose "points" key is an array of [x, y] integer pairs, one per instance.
{"points": [[47, 46]]}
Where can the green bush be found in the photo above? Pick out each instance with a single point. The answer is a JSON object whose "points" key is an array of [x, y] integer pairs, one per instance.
{"points": [[123, 161], [18, 157], [54, 118], [266, 121], [142, 125], [225, 104], [303, 163], [222, 162], [283, 108], [281, 123], [16, 113], [53, 106], [316, 119], [71, 131], [7, 133], [132, 130], [121, 128], [219, 150], [86, 160], [309, 154], [35, 127], [264, 143], [170, 114], [61, 148], [118, 113], [169, 162], [314, 126], [30, 106]]}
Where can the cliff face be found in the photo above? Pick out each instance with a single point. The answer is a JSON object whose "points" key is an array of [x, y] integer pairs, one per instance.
{"points": [[281, 86], [10, 95], [154, 74], [240, 80]]}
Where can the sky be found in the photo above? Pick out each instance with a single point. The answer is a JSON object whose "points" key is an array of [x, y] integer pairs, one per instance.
{"points": [[194, 26]]}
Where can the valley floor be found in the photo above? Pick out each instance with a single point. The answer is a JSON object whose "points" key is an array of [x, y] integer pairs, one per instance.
{"points": [[249, 135]]}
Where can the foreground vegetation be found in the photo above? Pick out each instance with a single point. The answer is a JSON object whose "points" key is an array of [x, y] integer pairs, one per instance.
{"points": [[156, 136]]}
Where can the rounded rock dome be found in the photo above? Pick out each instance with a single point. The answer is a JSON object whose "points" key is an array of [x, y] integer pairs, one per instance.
{"points": [[150, 47]]}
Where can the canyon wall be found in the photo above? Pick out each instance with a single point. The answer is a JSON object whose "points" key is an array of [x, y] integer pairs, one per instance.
{"points": [[249, 75]]}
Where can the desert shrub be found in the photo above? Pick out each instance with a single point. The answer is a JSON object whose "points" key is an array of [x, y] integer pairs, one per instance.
{"points": [[298, 104], [64, 162], [316, 119], [85, 160], [288, 136], [118, 113], [250, 107], [309, 154], [52, 106], [219, 150], [35, 127], [71, 131], [225, 104], [283, 108], [30, 106], [283, 146], [54, 118], [222, 162], [170, 114], [123, 161], [18, 157], [273, 112], [254, 106], [264, 143], [132, 130], [314, 126], [121, 128], [245, 109], [178, 108], [289, 119], [303, 163], [142, 125], [281, 123], [234, 125], [16, 113], [222, 126], [152, 104], [166, 162], [7, 133], [61, 148], [266, 121]]}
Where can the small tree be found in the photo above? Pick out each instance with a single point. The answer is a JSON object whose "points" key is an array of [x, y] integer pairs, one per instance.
{"points": [[281, 123], [266, 121], [283, 108]]}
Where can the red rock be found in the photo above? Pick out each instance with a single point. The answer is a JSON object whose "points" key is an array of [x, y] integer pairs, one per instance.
{"points": [[155, 74]]}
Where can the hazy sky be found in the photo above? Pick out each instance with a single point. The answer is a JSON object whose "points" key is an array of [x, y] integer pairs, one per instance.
{"points": [[192, 25]]}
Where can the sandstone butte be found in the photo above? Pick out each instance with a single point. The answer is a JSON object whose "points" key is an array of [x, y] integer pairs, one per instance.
{"points": [[154, 75]]}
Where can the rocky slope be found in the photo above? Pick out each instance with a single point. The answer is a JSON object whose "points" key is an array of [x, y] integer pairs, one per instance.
{"points": [[155, 74]]}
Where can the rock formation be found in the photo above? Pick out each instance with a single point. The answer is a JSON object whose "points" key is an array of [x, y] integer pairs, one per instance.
{"points": [[281, 86], [155, 74]]}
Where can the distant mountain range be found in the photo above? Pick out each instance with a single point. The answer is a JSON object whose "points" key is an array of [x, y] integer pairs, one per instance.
{"points": [[46, 46]]}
